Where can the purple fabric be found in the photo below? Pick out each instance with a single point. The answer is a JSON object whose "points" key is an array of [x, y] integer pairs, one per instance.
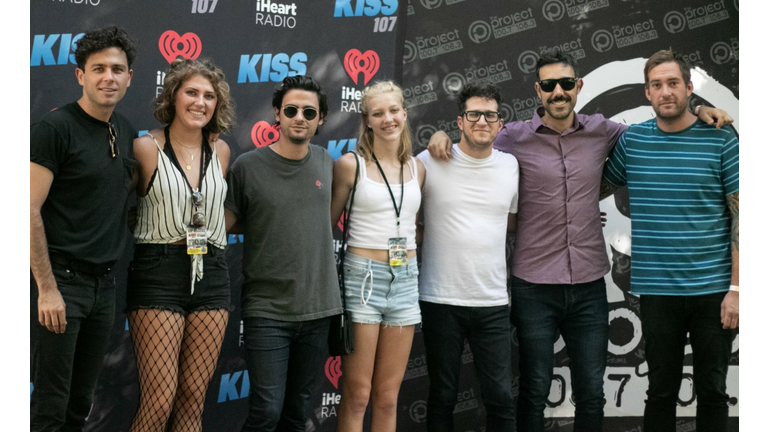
{"points": [[559, 235]]}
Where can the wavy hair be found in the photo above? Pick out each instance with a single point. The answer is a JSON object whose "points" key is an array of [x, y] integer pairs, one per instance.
{"points": [[180, 71], [365, 140]]}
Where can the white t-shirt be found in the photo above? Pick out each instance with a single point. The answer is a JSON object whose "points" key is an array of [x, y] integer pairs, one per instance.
{"points": [[466, 202]]}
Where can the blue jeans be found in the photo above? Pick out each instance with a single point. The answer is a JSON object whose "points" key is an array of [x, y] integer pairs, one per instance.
{"points": [[487, 329], [65, 367], [666, 322], [580, 313], [284, 361]]}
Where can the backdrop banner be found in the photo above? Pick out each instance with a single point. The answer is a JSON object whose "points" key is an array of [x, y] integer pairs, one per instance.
{"points": [[433, 48]]}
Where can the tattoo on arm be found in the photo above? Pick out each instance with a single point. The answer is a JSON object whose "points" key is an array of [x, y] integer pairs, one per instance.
{"points": [[733, 206], [606, 189]]}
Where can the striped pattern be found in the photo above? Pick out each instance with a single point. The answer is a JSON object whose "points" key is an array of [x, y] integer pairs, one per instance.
{"points": [[680, 222], [166, 210]]}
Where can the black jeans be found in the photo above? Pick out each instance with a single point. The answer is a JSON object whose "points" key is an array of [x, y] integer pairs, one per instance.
{"points": [[284, 361], [580, 313], [488, 331], [65, 367], [666, 322]]}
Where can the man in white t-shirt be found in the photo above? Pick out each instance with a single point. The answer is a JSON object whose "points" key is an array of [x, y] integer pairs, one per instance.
{"points": [[469, 203]]}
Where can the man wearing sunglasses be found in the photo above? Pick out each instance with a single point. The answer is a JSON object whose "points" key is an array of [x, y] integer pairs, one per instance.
{"points": [[80, 176], [559, 260], [281, 197]]}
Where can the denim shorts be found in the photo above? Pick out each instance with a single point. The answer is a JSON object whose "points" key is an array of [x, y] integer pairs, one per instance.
{"points": [[379, 293], [159, 278]]}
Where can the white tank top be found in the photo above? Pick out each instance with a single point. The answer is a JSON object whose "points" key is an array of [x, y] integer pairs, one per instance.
{"points": [[374, 220]]}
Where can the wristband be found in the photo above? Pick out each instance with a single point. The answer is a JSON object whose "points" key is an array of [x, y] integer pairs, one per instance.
{"points": [[697, 109], [734, 288]]}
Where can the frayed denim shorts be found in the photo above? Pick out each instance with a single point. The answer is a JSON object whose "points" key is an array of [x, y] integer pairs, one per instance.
{"points": [[377, 293], [159, 278]]}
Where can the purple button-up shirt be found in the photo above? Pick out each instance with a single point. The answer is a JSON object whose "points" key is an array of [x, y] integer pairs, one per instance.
{"points": [[559, 235]]}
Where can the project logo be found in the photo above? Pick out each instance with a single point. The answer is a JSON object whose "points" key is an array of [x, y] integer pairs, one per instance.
{"points": [[172, 45], [333, 370], [264, 134], [624, 35], [366, 63], [554, 10], [693, 17]]}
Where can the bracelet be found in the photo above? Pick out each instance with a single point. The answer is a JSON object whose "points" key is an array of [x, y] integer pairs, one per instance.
{"points": [[697, 109], [734, 288]]}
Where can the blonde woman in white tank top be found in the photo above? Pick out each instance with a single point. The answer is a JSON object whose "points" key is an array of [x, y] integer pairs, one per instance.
{"points": [[381, 291], [178, 304]]}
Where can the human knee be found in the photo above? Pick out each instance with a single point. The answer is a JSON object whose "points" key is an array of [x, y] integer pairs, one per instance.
{"points": [[356, 397], [384, 401]]}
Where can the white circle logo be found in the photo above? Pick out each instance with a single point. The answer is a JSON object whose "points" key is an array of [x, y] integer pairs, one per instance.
{"points": [[527, 61], [602, 40], [410, 52], [431, 4], [553, 10], [453, 82], [674, 22], [479, 31]]}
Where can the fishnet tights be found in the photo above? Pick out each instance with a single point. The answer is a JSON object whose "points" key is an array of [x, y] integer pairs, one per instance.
{"points": [[176, 356]]}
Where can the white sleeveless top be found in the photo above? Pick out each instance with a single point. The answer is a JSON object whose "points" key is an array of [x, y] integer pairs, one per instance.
{"points": [[374, 220], [166, 211]]}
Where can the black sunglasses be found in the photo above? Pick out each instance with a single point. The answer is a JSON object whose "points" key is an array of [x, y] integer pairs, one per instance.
{"points": [[291, 111], [548, 85], [198, 217], [112, 141]]}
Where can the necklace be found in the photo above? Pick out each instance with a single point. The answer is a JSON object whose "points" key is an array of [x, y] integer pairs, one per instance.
{"points": [[191, 155]]}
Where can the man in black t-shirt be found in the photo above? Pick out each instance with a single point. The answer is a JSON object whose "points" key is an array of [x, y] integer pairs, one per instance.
{"points": [[80, 176]]}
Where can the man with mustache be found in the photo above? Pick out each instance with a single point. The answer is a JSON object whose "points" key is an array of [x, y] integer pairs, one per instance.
{"points": [[559, 256]]}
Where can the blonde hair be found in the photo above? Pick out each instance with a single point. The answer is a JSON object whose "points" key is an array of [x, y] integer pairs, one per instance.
{"points": [[365, 141]]}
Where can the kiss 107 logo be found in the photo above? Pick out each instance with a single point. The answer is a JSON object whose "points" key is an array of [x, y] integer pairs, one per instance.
{"points": [[370, 8], [43, 48]]}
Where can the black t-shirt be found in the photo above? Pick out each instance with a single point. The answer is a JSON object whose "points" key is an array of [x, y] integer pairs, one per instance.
{"points": [[85, 212]]}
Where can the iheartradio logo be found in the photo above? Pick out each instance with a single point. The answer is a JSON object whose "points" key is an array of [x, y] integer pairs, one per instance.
{"points": [[264, 134], [333, 370], [172, 45], [356, 62]]}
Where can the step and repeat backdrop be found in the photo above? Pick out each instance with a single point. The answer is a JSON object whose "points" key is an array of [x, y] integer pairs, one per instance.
{"points": [[433, 48]]}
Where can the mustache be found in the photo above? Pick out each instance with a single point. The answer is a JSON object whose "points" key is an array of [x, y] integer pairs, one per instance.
{"points": [[559, 98]]}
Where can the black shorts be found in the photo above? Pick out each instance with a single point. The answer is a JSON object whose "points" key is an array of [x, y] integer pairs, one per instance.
{"points": [[159, 278]]}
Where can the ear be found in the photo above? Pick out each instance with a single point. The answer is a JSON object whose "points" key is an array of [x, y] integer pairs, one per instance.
{"points": [[277, 113], [689, 89], [405, 113], [79, 74], [130, 75], [460, 122], [537, 87], [579, 85], [648, 92], [322, 119]]}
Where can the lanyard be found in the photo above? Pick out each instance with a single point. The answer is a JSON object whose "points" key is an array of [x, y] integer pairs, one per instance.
{"points": [[402, 190]]}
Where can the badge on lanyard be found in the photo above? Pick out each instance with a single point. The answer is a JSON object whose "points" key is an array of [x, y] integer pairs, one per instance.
{"points": [[197, 240], [398, 254]]}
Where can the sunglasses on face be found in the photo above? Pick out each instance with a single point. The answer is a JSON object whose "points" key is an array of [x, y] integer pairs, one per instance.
{"points": [[473, 116], [308, 112], [548, 85]]}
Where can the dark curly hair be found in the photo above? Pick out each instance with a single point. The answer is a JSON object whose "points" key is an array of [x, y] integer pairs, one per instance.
{"points": [[485, 91], [555, 56], [96, 40], [180, 71], [301, 82]]}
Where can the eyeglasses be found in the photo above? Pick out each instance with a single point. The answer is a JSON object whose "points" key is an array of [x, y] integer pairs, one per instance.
{"points": [[548, 85], [490, 116], [198, 217], [291, 111], [112, 141]]}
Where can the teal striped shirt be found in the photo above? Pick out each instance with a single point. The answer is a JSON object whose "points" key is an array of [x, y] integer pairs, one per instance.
{"points": [[680, 221]]}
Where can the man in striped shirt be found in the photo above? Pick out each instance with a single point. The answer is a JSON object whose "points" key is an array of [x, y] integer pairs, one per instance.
{"points": [[683, 181]]}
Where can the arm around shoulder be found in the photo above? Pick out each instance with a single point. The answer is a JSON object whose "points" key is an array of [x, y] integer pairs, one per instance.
{"points": [[224, 153]]}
